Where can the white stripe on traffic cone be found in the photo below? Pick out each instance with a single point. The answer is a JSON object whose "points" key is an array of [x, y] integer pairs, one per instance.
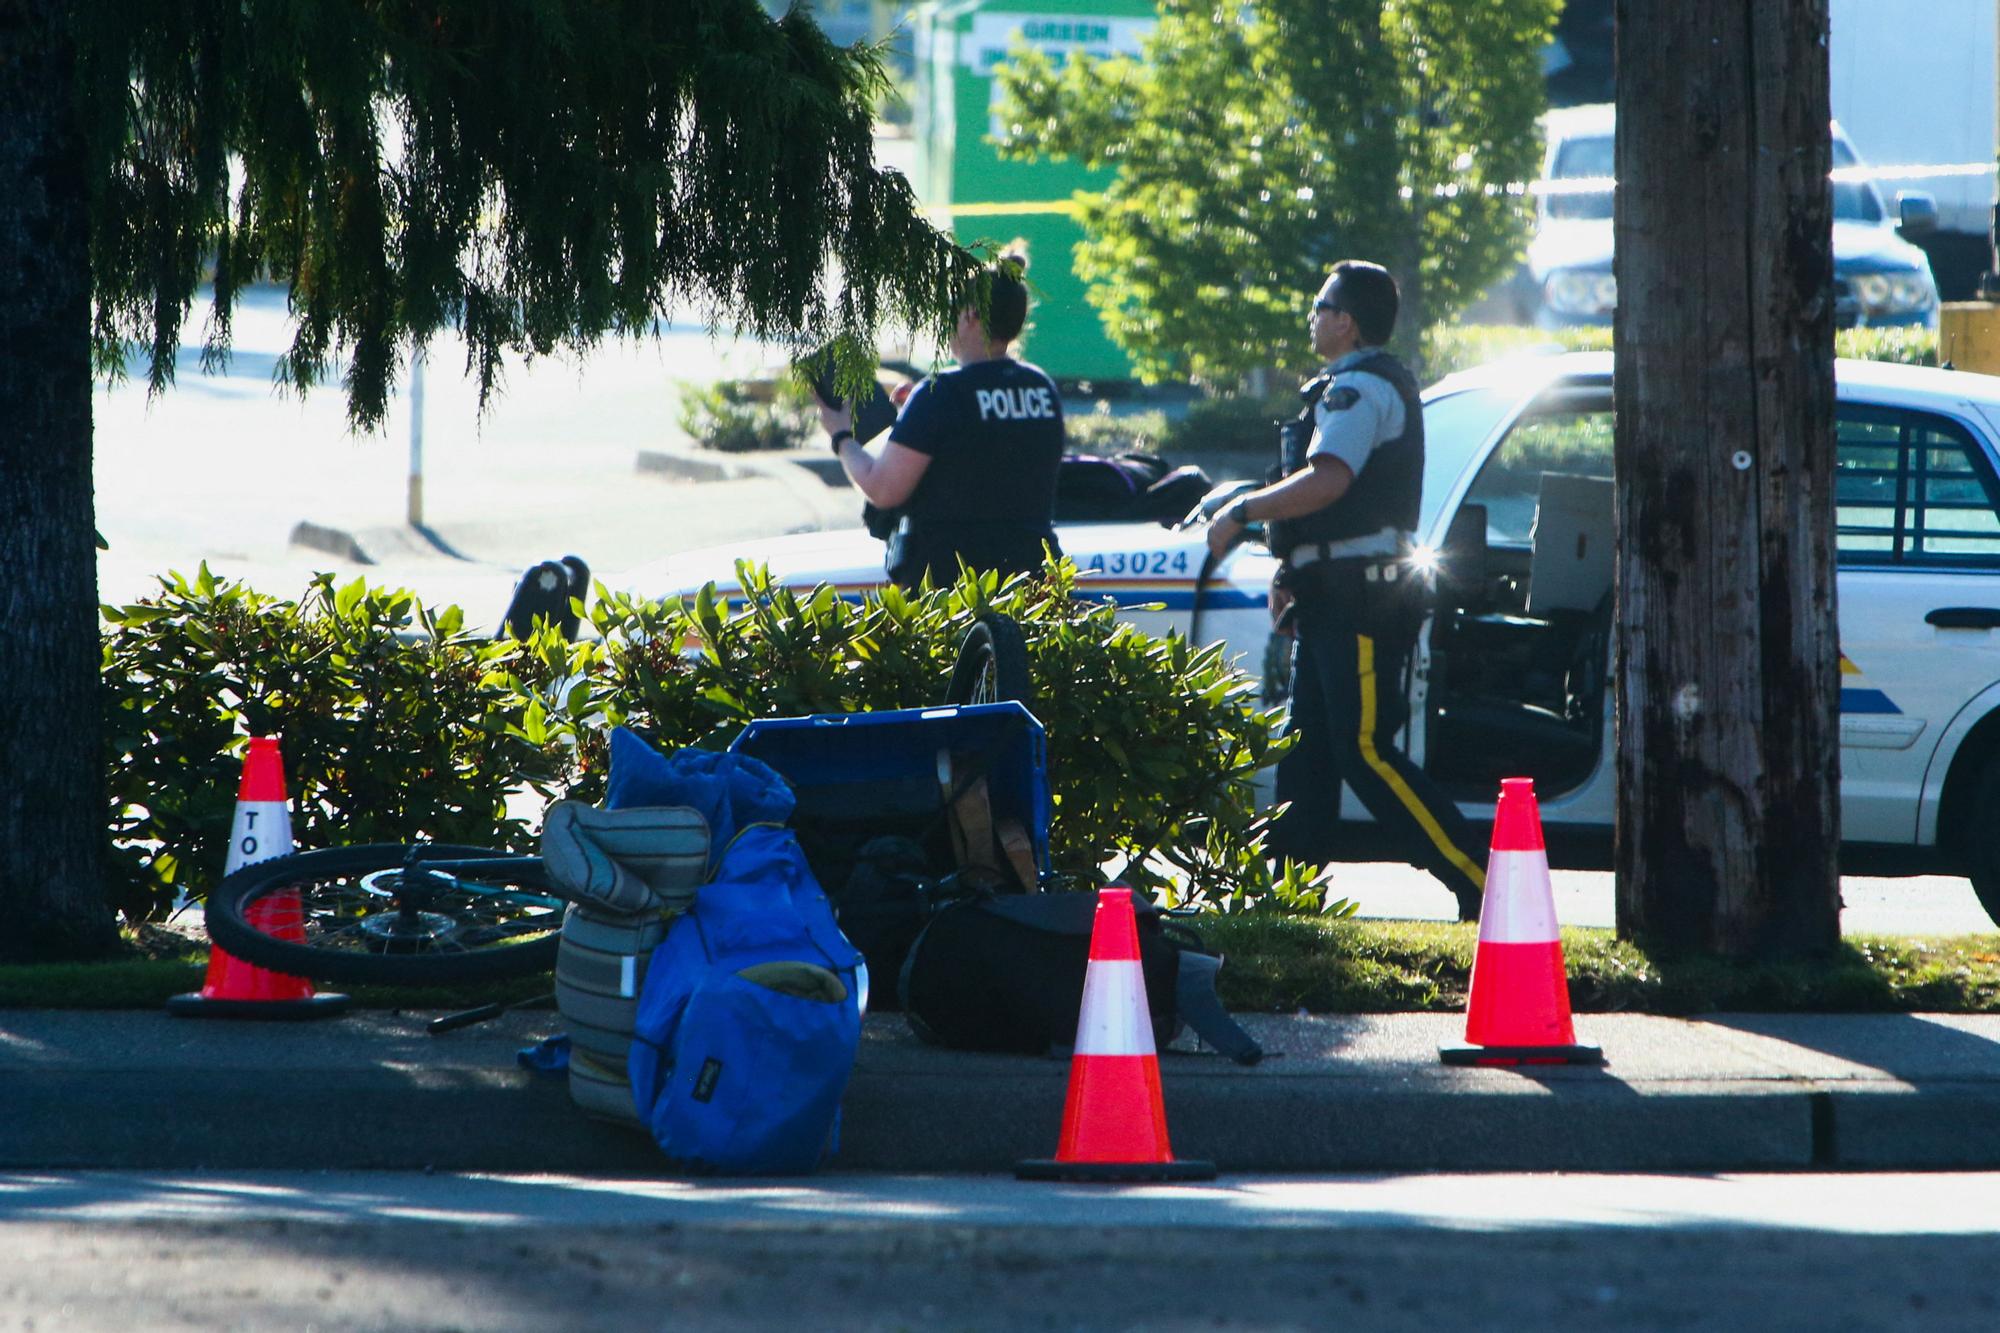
{"points": [[1518, 1012], [1114, 1118]]}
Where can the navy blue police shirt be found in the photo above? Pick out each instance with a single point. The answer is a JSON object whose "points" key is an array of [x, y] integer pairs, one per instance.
{"points": [[994, 433]]}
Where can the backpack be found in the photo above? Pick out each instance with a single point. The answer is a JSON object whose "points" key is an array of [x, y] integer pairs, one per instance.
{"points": [[1006, 974], [1130, 488], [749, 1014], [749, 1019]]}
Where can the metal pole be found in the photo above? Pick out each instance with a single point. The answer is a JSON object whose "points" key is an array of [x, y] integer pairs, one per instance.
{"points": [[416, 496]]}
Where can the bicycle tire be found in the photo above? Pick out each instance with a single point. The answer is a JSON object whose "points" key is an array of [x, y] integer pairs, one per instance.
{"points": [[992, 664], [356, 923]]}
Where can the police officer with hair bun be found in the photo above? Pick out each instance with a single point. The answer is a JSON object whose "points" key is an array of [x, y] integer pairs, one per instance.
{"points": [[1340, 519], [971, 461]]}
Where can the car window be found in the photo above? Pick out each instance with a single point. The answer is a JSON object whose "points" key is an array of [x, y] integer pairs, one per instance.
{"points": [[1567, 437], [1465, 419], [1855, 202], [1913, 489], [1576, 159], [1594, 157], [1455, 425]]}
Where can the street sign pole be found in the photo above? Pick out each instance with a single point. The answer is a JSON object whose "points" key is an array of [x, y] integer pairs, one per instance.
{"points": [[416, 492]]}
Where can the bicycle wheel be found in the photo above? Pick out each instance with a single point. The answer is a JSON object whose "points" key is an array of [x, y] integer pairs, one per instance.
{"points": [[992, 664], [390, 914]]}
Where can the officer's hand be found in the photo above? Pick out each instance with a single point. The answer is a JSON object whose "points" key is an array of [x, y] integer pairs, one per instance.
{"points": [[1281, 601], [835, 418], [1223, 533]]}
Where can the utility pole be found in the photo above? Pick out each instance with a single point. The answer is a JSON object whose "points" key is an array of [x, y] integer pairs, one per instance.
{"points": [[1727, 661]]}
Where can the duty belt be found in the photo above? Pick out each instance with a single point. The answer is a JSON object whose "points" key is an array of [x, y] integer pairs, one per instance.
{"points": [[1375, 568]]}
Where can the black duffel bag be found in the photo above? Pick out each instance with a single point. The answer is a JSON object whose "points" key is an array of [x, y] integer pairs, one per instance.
{"points": [[1005, 973]]}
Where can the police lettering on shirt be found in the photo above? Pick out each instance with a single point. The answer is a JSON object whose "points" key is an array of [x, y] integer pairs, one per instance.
{"points": [[1024, 404]]}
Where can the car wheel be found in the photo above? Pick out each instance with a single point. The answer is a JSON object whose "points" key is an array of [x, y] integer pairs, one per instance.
{"points": [[1979, 839]]}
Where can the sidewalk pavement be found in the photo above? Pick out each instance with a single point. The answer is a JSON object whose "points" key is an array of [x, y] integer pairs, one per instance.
{"points": [[1731, 1092]]}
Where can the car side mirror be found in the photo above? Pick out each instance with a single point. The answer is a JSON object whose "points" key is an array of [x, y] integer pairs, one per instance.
{"points": [[1916, 213]]}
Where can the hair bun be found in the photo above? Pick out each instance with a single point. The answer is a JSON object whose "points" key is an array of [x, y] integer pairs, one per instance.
{"points": [[1017, 256]]}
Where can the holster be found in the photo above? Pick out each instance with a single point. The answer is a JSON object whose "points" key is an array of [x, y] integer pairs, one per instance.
{"points": [[881, 523], [1385, 599]]}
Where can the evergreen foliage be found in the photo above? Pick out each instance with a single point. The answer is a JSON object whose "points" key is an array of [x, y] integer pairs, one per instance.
{"points": [[537, 173], [1257, 144]]}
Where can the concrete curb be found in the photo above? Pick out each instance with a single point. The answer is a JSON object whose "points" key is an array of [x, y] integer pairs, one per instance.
{"points": [[820, 466], [373, 1090], [815, 491], [336, 542], [813, 478], [688, 467]]}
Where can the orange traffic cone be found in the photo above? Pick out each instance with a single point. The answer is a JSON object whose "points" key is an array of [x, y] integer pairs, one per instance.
{"points": [[1519, 1010], [262, 830], [1115, 1122]]}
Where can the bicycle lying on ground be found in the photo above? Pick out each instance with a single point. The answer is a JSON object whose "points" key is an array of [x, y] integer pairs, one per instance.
{"points": [[422, 914]]}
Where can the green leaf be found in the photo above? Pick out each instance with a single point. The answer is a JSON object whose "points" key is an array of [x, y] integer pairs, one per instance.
{"points": [[1247, 153]]}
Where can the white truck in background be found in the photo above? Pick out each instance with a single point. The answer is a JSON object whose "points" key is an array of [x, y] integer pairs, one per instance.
{"points": [[1914, 84]]}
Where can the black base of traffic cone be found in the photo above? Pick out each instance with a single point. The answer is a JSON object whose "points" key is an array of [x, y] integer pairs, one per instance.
{"points": [[195, 1005], [1113, 1172], [1521, 1055]]}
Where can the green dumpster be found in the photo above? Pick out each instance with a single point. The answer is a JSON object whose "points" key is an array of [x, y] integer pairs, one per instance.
{"points": [[962, 179]]}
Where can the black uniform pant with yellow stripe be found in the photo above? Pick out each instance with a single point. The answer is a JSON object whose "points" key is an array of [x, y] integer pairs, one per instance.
{"points": [[1347, 704]]}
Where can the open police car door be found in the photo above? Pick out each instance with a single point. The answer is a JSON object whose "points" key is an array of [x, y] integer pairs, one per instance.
{"points": [[1515, 680]]}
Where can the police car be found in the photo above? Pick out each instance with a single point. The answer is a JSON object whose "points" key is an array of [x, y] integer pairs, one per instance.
{"points": [[1512, 675]]}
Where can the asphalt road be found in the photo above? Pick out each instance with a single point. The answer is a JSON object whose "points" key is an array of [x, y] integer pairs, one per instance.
{"points": [[340, 1252]]}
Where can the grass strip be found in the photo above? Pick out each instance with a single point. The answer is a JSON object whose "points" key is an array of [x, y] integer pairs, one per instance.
{"points": [[1284, 964], [147, 982]]}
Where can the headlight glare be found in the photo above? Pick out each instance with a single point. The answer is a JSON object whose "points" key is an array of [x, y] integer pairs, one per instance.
{"points": [[1573, 292], [1893, 293], [1909, 291]]}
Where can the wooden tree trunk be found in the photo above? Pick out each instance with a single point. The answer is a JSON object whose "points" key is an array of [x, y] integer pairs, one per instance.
{"points": [[52, 799], [1727, 660]]}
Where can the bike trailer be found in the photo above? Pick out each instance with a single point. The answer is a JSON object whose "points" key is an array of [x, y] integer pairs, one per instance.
{"points": [[905, 769], [905, 817], [891, 802]]}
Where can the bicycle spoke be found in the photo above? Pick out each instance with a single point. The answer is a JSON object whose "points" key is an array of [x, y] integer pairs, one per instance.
{"points": [[423, 913], [371, 914]]}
